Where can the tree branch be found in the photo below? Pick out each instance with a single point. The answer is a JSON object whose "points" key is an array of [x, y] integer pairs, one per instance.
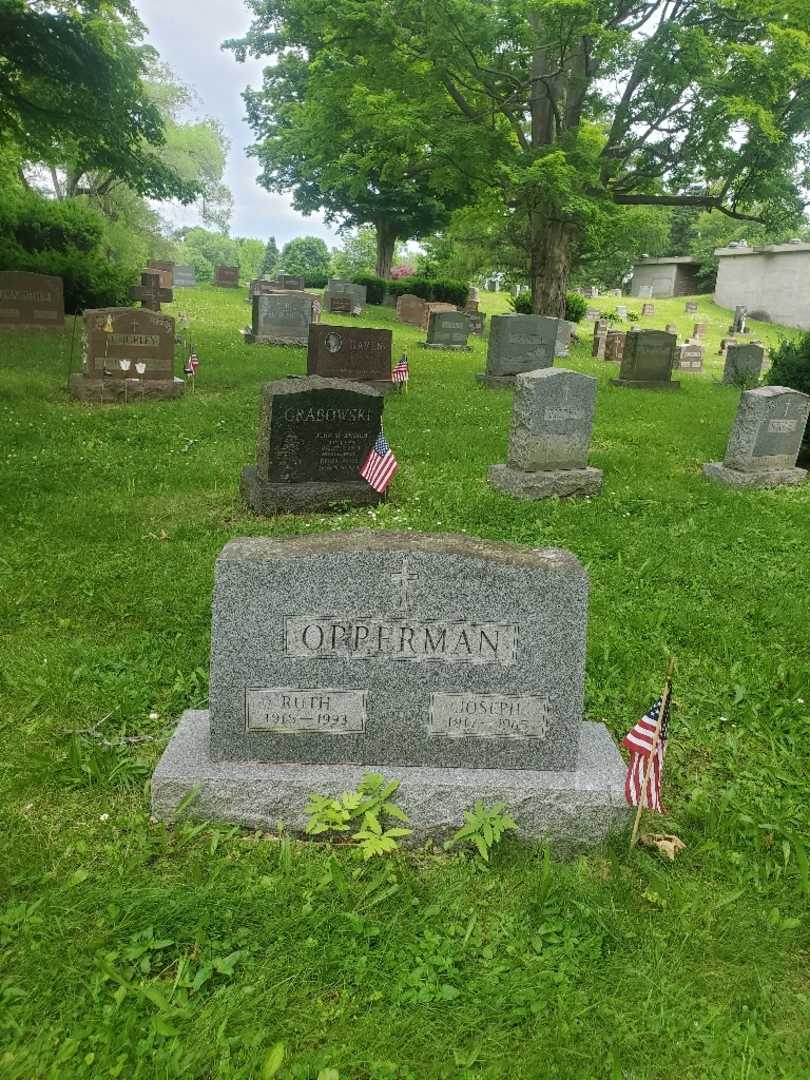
{"points": [[705, 202]]}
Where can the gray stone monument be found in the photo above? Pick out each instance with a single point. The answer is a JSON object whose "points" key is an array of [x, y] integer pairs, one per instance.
{"points": [[552, 418], [346, 291], [765, 440], [184, 277], [518, 343], [281, 318], [451, 664], [314, 435], [647, 361], [448, 330], [743, 365], [645, 292], [690, 357]]}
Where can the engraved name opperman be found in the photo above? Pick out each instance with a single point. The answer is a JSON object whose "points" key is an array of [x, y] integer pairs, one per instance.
{"points": [[463, 642]]}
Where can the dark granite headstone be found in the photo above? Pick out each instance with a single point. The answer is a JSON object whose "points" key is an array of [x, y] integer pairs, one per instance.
{"points": [[647, 361], [293, 282], [518, 343], [614, 345], [31, 301], [280, 318], [356, 353], [226, 277], [744, 364], [314, 435], [340, 305], [448, 330]]}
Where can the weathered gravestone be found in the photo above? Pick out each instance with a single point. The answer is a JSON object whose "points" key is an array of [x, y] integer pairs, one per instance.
{"points": [[645, 292], [340, 305], [471, 307], [671, 328], [738, 324], [411, 309], [601, 326], [451, 664], [294, 282], [647, 309], [744, 364], [690, 357], [150, 292], [166, 271], [262, 287], [518, 343], [434, 306], [184, 277], [355, 353], [621, 311], [552, 418], [31, 301], [615, 292], [691, 307], [592, 292], [598, 346], [348, 293], [614, 345], [226, 277], [647, 361], [314, 434], [565, 332], [477, 322], [448, 330], [280, 318], [699, 330], [127, 354], [765, 440], [592, 313]]}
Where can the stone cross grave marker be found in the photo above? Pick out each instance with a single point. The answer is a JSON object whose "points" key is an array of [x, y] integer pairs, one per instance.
{"points": [[31, 301], [226, 277], [518, 343], [765, 440], [166, 271], [184, 277], [411, 309], [744, 364], [280, 318], [150, 292], [647, 361], [314, 435], [552, 418], [453, 665], [356, 353], [448, 330], [690, 357], [127, 353]]}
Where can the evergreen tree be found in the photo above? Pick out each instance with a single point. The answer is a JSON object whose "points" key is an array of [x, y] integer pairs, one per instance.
{"points": [[271, 256]]}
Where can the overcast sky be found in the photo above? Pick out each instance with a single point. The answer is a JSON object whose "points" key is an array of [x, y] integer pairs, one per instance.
{"points": [[188, 35]]}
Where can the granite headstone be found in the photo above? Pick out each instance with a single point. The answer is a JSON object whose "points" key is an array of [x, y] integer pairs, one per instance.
{"points": [[280, 318], [150, 292], [226, 277], [690, 357], [411, 309], [647, 361], [744, 364], [614, 345], [765, 441], [184, 277], [166, 271], [448, 330], [31, 301], [356, 353], [518, 343]]}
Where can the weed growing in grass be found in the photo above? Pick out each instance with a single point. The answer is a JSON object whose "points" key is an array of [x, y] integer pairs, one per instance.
{"points": [[483, 827], [367, 807]]}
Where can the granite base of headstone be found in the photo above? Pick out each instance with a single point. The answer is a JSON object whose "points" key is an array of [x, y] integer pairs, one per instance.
{"points": [[765, 441], [552, 419], [314, 435], [518, 343], [647, 361], [453, 665]]}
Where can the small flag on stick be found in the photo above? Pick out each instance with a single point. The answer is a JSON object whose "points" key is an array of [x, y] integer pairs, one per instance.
{"points": [[401, 374], [380, 465], [647, 743]]}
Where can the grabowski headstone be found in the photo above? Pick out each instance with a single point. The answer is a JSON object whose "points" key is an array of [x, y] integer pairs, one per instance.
{"points": [[453, 665], [552, 418], [127, 354], [518, 343], [280, 318], [356, 353], [614, 345], [150, 292], [314, 435], [448, 330], [166, 271], [744, 364], [411, 309], [647, 361], [184, 277], [226, 277], [765, 440], [690, 357], [31, 301]]}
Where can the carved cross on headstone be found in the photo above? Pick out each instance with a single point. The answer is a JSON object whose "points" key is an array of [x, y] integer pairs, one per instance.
{"points": [[402, 580], [149, 291]]}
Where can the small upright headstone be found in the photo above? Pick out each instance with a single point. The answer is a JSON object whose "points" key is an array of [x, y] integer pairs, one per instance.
{"points": [[645, 292], [565, 332], [671, 328], [314, 434], [614, 345], [262, 287], [411, 309], [31, 301], [127, 354], [280, 318], [166, 271], [699, 331], [184, 277], [615, 292], [455, 666], [518, 343], [601, 326], [471, 307], [434, 306], [448, 330], [743, 365], [150, 292], [738, 325], [473, 295], [349, 294], [355, 353], [592, 292], [226, 277], [598, 346], [647, 361], [690, 357], [765, 441], [552, 418], [592, 313], [477, 322], [621, 311], [293, 282], [691, 307], [647, 309]]}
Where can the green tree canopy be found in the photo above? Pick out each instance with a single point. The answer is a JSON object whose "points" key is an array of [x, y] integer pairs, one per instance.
{"points": [[270, 259], [305, 255]]}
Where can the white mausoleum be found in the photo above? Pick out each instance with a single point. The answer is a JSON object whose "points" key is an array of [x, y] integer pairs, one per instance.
{"points": [[772, 281]]}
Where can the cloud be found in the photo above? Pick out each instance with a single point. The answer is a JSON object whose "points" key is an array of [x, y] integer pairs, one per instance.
{"points": [[188, 34]]}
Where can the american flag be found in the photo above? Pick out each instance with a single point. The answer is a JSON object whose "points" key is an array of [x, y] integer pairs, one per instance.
{"points": [[380, 464], [400, 374], [195, 363], [639, 741]]}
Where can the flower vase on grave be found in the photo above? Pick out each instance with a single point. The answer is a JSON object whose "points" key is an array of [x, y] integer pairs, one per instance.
{"points": [[141, 370], [125, 365]]}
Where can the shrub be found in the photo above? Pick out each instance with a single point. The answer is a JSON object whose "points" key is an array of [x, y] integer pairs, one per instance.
{"points": [[315, 281], [790, 366], [375, 287], [575, 306], [439, 290]]}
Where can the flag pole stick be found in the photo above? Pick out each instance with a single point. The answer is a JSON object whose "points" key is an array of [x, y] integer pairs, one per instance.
{"points": [[642, 802]]}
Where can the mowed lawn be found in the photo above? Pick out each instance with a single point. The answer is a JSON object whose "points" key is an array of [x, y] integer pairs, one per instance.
{"points": [[135, 950]]}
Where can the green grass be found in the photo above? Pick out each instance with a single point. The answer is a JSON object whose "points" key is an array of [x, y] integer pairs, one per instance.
{"points": [[134, 950]]}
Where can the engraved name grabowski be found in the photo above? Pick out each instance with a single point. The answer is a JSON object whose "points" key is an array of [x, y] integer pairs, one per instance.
{"points": [[318, 636]]}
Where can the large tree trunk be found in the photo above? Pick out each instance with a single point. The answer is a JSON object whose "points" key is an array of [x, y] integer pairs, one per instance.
{"points": [[551, 251], [386, 240]]}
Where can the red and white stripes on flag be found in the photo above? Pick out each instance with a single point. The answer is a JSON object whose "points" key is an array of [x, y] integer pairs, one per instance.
{"points": [[641, 742], [400, 374], [380, 464]]}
